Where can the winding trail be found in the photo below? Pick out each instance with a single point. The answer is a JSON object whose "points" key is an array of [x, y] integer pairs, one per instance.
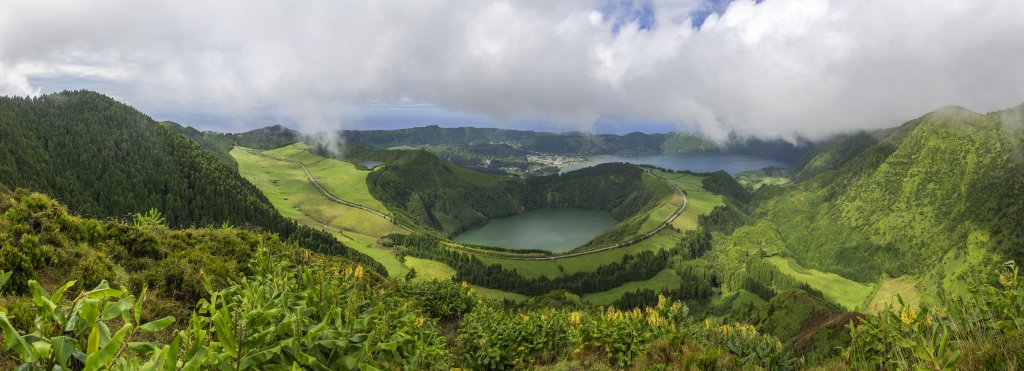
{"points": [[327, 194], [499, 254]]}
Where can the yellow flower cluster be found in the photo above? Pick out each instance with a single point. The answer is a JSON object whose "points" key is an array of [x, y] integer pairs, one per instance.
{"points": [[908, 315], [357, 272], [654, 319], [420, 321], [575, 318], [1006, 279], [663, 301]]}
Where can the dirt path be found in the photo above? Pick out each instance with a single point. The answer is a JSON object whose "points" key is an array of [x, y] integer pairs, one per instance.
{"points": [[327, 194]]}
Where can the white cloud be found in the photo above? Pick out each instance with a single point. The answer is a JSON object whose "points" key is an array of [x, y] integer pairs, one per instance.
{"points": [[778, 68]]}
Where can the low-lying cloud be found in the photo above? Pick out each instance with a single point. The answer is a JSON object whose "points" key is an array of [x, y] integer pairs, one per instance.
{"points": [[776, 68]]}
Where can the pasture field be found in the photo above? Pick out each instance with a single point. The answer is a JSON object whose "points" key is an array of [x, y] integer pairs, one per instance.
{"points": [[340, 178], [429, 270], [700, 201], [850, 294], [289, 190], [494, 294], [666, 279], [886, 296]]}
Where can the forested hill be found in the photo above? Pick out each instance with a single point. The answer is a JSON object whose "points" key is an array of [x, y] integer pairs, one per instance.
{"points": [[103, 158], [219, 144], [572, 143], [439, 194], [939, 197]]}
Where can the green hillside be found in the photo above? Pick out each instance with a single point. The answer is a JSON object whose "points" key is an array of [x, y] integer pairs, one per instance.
{"points": [[438, 194], [938, 198], [103, 158]]}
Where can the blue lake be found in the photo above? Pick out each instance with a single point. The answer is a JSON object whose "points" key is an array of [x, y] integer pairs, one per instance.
{"points": [[697, 162]]}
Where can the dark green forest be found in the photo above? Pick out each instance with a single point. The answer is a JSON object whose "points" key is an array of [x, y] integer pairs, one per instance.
{"points": [[105, 159]]}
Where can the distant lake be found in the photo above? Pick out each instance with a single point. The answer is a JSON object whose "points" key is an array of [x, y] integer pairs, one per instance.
{"points": [[370, 164], [697, 162], [555, 230]]}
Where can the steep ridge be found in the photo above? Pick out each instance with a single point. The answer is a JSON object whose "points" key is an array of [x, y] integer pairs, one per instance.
{"points": [[103, 158], [939, 197]]}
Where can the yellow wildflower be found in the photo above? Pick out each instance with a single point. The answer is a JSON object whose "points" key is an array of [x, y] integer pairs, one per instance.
{"points": [[348, 272], [420, 321], [928, 319], [1006, 279], [525, 318], [358, 272], [575, 318], [465, 285], [908, 315], [543, 318], [654, 319], [662, 301]]}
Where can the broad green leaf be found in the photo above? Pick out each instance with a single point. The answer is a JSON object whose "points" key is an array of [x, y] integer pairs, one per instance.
{"points": [[157, 325], [104, 293], [259, 358], [170, 353], [63, 347], [196, 361], [143, 348], [89, 311], [57, 295], [40, 297], [225, 335], [15, 342], [116, 309], [94, 341], [104, 356]]}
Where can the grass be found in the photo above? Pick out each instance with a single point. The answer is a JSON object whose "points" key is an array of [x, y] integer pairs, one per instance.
{"points": [[886, 296], [666, 279], [429, 270], [289, 190], [850, 294], [368, 245], [494, 294], [340, 178], [699, 200]]}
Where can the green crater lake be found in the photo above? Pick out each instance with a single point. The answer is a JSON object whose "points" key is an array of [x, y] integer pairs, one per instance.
{"points": [[556, 230]]}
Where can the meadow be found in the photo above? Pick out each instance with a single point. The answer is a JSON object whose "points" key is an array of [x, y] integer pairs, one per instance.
{"points": [[848, 293], [664, 280]]}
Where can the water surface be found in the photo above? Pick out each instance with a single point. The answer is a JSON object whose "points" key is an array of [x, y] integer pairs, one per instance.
{"points": [[697, 162], [370, 164], [555, 230]]}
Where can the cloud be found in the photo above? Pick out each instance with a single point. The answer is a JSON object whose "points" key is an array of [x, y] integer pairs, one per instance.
{"points": [[776, 68]]}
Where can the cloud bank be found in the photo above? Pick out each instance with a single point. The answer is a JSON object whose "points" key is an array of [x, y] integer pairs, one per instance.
{"points": [[777, 68]]}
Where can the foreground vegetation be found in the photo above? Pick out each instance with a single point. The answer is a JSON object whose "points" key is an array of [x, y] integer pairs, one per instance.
{"points": [[281, 307]]}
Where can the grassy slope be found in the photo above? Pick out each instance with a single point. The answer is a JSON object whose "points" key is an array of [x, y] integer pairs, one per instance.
{"points": [[429, 270], [288, 189], [699, 200], [850, 294], [890, 290], [666, 279], [340, 178]]}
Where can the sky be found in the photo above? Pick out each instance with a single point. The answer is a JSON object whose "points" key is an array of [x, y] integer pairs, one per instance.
{"points": [[770, 68]]}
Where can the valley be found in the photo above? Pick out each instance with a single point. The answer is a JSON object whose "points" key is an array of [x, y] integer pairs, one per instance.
{"points": [[869, 227]]}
